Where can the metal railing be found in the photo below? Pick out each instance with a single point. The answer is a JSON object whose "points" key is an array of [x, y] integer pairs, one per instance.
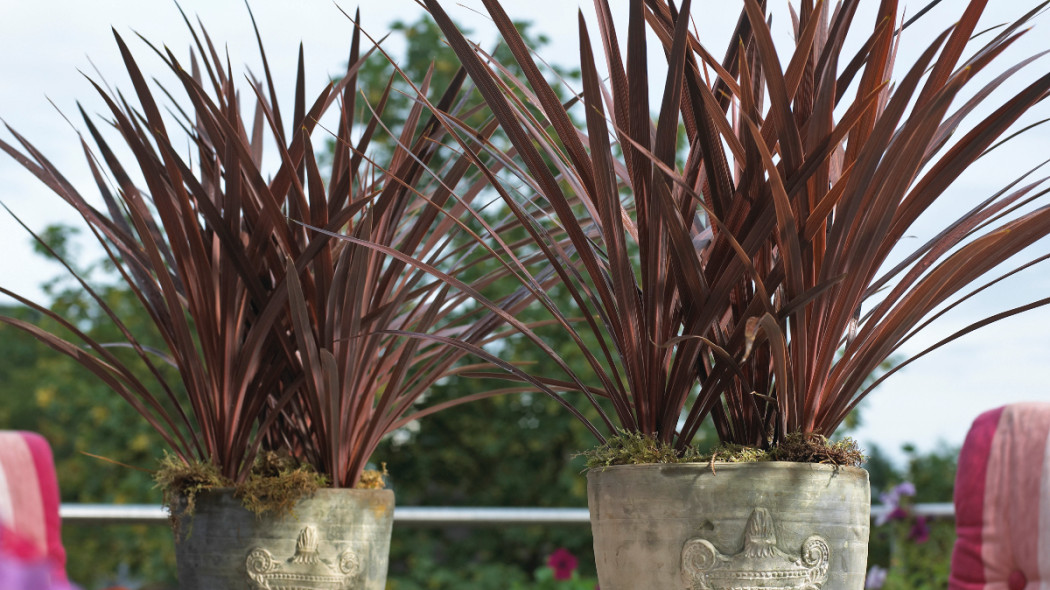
{"points": [[414, 516]]}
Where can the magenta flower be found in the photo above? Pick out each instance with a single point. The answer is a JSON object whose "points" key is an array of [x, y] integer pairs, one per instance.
{"points": [[920, 531], [897, 513], [563, 563], [893, 498]]}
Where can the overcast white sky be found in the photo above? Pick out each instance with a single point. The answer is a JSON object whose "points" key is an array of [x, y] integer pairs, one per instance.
{"points": [[44, 43]]}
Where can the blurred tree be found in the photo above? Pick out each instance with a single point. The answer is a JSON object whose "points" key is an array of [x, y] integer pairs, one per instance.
{"points": [[514, 450], [50, 394]]}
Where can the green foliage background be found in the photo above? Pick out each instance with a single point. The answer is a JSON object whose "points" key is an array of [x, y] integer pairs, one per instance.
{"points": [[51, 394], [914, 565]]}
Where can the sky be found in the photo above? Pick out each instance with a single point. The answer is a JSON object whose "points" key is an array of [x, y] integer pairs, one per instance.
{"points": [[44, 45]]}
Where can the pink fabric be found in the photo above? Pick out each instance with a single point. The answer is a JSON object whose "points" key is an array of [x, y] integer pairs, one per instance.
{"points": [[23, 487], [17, 547], [44, 462], [1001, 498], [29, 489], [967, 570]]}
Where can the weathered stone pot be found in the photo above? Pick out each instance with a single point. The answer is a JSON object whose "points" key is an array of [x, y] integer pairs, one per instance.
{"points": [[335, 539], [730, 526]]}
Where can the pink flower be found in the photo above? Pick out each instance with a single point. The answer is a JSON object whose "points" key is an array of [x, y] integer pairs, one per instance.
{"points": [[563, 563], [920, 531], [893, 497], [897, 513]]}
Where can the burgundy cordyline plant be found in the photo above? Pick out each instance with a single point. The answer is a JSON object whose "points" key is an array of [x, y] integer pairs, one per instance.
{"points": [[726, 248], [840, 193], [280, 335]]}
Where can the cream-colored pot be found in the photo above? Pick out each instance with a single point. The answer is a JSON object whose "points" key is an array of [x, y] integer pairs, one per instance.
{"points": [[730, 526], [335, 539]]}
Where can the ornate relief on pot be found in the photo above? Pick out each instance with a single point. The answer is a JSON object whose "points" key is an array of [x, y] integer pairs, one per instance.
{"points": [[305, 570], [760, 565]]}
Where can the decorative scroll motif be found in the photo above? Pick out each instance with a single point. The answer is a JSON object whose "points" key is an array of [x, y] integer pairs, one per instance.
{"points": [[760, 565], [303, 571]]}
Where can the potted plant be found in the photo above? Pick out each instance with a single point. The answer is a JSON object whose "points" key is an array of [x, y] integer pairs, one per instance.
{"points": [[718, 258], [281, 371]]}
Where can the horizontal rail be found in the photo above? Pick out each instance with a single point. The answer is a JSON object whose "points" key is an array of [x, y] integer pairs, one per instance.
{"points": [[428, 516], [930, 510], [414, 516], [93, 514]]}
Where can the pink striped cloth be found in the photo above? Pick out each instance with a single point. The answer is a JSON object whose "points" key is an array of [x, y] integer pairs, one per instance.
{"points": [[1002, 502], [30, 528]]}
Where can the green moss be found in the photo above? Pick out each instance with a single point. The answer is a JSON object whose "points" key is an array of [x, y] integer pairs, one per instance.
{"points": [[182, 482], [274, 485], [634, 448], [731, 453], [816, 448], [373, 479]]}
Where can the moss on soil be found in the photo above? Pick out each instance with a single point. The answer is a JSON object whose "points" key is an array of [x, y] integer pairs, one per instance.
{"points": [[274, 485], [373, 479], [182, 482], [633, 448], [816, 448]]}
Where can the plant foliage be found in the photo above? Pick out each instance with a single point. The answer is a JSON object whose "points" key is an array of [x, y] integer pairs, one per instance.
{"points": [[731, 253], [840, 166], [282, 338]]}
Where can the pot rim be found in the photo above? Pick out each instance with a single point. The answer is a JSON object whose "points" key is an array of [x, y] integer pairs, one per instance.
{"points": [[716, 466], [352, 491]]}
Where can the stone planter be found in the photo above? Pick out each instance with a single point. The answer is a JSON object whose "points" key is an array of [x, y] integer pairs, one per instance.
{"points": [[335, 539], [732, 526]]}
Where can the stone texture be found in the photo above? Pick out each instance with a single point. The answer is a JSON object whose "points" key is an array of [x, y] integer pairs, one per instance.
{"points": [[646, 518], [333, 540]]}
